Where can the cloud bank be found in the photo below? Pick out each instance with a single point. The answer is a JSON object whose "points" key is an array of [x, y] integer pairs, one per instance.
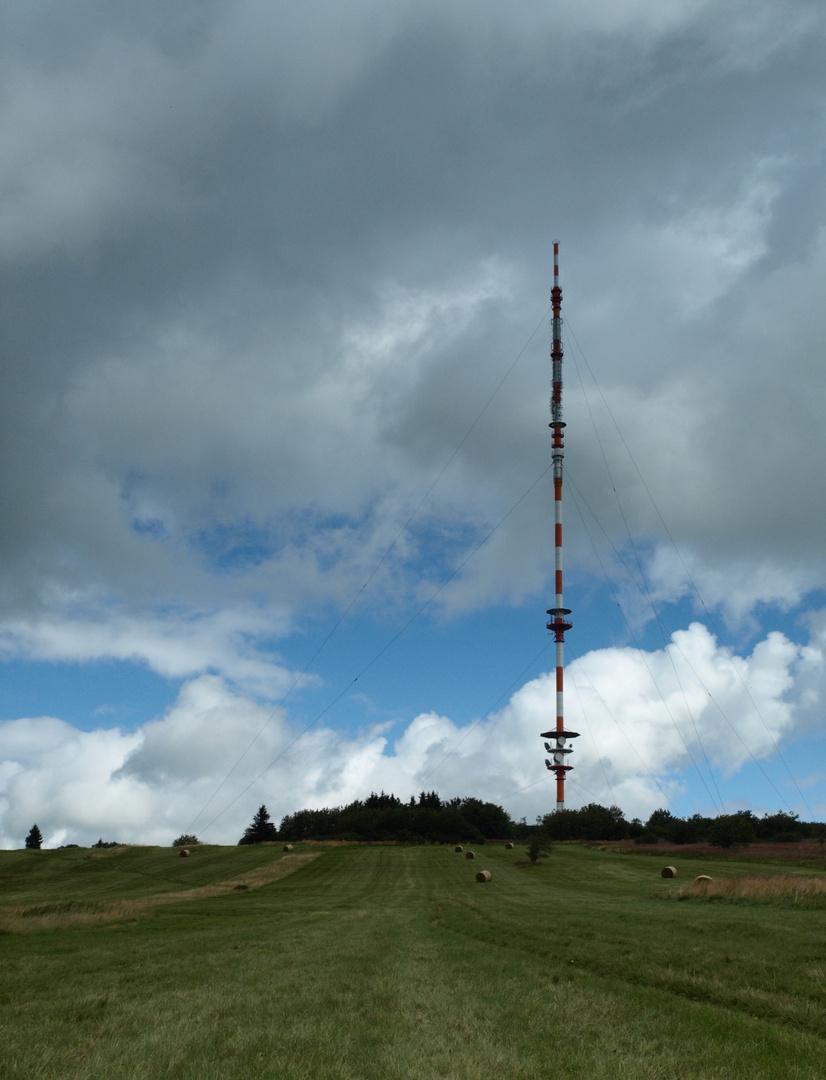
{"points": [[205, 766]]}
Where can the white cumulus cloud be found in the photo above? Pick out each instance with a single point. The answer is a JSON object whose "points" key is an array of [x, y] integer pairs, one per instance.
{"points": [[645, 718]]}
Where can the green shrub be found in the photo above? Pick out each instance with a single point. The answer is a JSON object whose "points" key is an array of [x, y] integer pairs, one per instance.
{"points": [[186, 840], [538, 848]]}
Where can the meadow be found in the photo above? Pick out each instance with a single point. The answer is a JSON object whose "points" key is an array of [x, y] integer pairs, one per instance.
{"points": [[367, 962]]}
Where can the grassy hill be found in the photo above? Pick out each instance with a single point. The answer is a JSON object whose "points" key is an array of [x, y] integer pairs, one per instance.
{"points": [[392, 962], [79, 875]]}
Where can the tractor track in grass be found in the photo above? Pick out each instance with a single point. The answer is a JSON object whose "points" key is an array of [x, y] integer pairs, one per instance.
{"points": [[685, 985]]}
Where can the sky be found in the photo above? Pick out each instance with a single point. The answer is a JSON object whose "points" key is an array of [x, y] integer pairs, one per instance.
{"points": [[276, 518]]}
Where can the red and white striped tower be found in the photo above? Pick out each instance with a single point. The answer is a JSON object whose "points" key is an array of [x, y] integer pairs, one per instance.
{"points": [[558, 623]]}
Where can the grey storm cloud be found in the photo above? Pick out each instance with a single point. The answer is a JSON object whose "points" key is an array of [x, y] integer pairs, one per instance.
{"points": [[264, 264]]}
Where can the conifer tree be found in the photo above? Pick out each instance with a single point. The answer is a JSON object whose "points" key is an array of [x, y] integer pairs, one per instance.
{"points": [[35, 838], [261, 829]]}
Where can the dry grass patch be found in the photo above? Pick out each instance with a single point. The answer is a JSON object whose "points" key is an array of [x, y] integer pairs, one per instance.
{"points": [[253, 879], [798, 889], [29, 918], [23, 918]]}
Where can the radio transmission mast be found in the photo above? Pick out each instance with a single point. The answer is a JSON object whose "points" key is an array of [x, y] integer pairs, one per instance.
{"points": [[558, 613]]}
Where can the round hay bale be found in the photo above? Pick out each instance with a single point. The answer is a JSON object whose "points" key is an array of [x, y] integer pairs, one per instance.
{"points": [[288, 847], [470, 855], [509, 846], [702, 879], [669, 871], [458, 848], [183, 852], [484, 875]]}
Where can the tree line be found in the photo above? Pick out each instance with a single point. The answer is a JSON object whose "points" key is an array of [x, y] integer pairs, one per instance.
{"points": [[430, 819], [595, 822]]}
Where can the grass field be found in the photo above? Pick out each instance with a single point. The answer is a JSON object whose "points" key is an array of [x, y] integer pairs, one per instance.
{"points": [[392, 962]]}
